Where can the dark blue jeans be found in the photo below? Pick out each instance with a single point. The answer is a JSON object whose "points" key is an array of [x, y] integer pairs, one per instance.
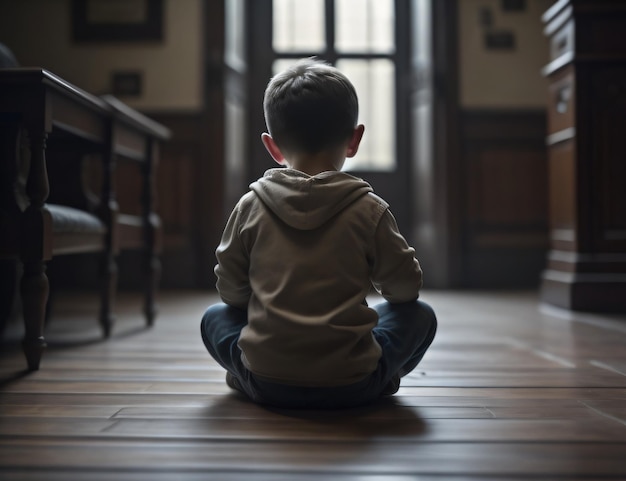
{"points": [[404, 332]]}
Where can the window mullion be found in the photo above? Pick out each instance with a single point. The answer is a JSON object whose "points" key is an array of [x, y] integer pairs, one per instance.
{"points": [[331, 52]]}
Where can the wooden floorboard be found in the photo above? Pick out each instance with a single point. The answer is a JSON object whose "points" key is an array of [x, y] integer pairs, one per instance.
{"points": [[509, 390]]}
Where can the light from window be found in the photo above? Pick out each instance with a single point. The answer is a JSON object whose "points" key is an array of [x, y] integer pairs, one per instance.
{"points": [[374, 84], [298, 26], [234, 53], [364, 26]]}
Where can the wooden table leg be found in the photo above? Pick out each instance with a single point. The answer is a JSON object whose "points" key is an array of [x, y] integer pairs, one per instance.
{"points": [[34, 292], [152, 233], [108, 267], [35, 235]]}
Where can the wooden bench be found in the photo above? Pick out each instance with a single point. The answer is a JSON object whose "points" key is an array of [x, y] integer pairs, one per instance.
{"points": [[47, 127]]}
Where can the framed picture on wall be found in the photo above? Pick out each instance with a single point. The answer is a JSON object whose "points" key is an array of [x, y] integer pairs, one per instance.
{"points": [[117, 20]]}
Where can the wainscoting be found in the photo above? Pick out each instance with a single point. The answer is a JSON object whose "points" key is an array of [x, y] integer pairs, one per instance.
{"points": [[505, 200], [502, 204], [190, 187]]}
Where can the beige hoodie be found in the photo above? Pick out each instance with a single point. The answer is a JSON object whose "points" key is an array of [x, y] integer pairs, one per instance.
{"points": [[301, 253]]}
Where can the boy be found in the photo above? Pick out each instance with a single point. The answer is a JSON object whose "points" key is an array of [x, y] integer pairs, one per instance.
{"points": [[300, 254]]}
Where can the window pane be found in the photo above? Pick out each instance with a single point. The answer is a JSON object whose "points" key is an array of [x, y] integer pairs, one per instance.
{"points": [[298, 26], [234, 53], [374, 84], [364, 26]]}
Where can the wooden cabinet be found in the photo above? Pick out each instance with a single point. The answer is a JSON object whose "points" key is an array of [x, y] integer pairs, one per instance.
{"points": [[587, 155]]}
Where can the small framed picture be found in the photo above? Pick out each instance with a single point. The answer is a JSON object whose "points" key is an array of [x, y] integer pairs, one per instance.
{"points": [[513, 5], [126, 83], [117, 20]]}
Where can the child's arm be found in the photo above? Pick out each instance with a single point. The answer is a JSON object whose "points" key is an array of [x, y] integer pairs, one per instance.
{"points": [[231, 270], [396, 273]]}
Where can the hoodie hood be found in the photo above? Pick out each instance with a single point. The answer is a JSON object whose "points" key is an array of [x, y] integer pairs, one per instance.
{"points": [[306, 202]]}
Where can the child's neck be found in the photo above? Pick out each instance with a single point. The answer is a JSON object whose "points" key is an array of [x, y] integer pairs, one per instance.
{"points": [[312, 169], [313, 164]]}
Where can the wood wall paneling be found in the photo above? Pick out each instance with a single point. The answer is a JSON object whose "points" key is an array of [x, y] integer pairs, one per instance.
{"points": [[189, 201], [506, 207]]}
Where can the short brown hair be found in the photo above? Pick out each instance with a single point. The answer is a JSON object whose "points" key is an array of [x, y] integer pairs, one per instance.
{"points": [[310, 106]]}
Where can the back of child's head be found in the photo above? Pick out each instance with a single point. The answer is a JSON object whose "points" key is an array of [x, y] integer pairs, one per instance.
{"points": [[310, 107]]}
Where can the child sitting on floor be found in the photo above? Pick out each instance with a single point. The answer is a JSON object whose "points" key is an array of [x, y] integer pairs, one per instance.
{"points": [[299, 255]]}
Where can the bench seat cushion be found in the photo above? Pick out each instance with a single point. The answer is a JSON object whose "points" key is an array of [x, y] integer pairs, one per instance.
{"points": [[67, 220]]}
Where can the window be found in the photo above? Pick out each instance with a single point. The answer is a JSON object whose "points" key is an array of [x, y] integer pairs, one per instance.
{"points": [[358, 37]]}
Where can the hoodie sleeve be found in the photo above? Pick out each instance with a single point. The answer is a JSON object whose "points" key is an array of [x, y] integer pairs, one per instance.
{"points": [[233, 283], [396, 273]]}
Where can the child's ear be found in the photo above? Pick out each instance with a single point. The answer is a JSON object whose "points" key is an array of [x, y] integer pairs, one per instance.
{"points": [[272, 148], [355, 140]]}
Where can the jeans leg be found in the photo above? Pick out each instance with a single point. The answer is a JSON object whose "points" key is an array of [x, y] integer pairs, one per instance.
{"points": [[221, 326], [404, 332]]}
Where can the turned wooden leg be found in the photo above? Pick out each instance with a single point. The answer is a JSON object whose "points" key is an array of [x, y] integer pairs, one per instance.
{"points": [[8, 279], [152, 267], [152, 234], [153, 276], [34, 293], [109, 287], [108, 266], [35, 246]]}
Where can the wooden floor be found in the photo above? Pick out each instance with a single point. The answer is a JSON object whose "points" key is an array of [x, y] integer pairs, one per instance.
{"points": [[509, 390]]}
